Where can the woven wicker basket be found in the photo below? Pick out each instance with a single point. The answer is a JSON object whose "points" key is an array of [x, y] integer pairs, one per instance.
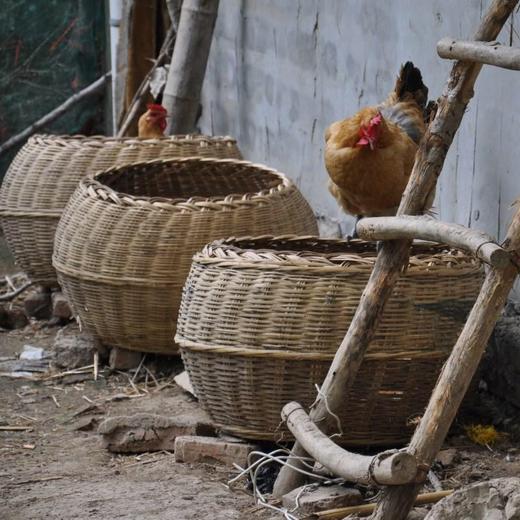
{"points": [[125, 242], [261, 319], [46, 171]]}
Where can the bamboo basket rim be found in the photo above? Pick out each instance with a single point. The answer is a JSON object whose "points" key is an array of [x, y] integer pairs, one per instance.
{"points": [[300, 356], [77, 140], [243, 253], [95, 188]]}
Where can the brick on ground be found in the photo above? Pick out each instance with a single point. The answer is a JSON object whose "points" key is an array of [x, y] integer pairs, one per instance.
{"points": [[38, 305], [123, 359], [60, 306], [321, 498], [212, 450], [149, 432]]}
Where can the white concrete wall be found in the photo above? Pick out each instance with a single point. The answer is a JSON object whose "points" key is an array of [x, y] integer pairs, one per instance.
{"points": [[281, 71]]}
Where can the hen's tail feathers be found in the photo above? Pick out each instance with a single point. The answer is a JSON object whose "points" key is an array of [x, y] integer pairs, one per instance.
{"points": [[410, 83]]}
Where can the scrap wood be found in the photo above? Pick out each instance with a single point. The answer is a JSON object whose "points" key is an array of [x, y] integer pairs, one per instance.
{"points": [[13, 294], [96, 365], [166, 454], [366, 509], [35, 480], [87, 408], [80, 370], [89, 91]]}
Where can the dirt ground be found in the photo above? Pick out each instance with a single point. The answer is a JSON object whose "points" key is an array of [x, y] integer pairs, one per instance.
{"points": [[54, 471]]}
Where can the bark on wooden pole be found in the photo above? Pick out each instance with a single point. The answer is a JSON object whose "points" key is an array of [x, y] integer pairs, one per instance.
{"points": [[490, 53], [391, 469], [455, 378], [190, 56], [394, 255], [480, 244]]}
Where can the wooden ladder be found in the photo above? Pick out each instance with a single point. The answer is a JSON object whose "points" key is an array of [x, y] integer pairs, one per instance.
{"points": [[402, 474]]}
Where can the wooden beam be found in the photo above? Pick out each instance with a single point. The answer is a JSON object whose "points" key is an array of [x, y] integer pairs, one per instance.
{"points": [[393, 469], [480, 244], [394, 255], [490, 53]]}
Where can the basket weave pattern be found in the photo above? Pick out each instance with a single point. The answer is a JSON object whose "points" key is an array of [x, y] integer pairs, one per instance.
{"points": [[261, 320], [46, 171], [125, 242]]}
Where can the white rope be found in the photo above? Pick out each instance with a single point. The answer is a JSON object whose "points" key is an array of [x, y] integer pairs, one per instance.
{"points": [[325, 400], [280, 456]]}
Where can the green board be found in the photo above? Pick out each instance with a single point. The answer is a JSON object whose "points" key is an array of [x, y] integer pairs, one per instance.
{"points": [[49, 49]]}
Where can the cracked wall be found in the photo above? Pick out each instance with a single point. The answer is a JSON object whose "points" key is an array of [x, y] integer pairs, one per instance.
{"points": [[281, 71]]}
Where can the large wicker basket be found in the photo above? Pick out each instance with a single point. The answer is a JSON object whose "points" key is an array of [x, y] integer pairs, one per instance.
{"points": [[261, 320], [125, 242], [46, 171]]}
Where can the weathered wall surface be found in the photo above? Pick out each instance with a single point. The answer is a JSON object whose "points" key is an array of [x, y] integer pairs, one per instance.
{"points": [[281, 71]]}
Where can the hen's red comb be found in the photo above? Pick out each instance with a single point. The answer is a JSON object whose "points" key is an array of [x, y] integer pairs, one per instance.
{"points": [[156, 108]]}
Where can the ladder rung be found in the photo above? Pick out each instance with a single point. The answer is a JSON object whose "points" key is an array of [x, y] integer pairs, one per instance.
{"points": [[384, 469], [490, 53], [480, 244]]}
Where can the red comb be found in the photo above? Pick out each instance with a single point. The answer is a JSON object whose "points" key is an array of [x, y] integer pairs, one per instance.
{"points": [[156, 108], [376, 120]]}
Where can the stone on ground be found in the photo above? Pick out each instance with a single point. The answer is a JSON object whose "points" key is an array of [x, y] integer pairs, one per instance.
{"points": [[497, 499], [322, 498], [212, 450], [148, 432], [446, 457], [74, 349]]}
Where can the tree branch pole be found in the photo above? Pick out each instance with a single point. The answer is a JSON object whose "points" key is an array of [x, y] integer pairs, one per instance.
{"points": [[396, 468], [139, 96], [87, 92], [394, 254], [190, 57], [490, 53], [481, 245]]}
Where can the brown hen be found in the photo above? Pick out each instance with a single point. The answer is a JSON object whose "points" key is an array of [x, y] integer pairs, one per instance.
{"points": [[369, 157]]}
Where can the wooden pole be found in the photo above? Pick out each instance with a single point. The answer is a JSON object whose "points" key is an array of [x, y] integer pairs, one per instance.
{"points": [[389, 469], [190, 56], [455, 377], [140, 95], [87, 92], [480, 244], [490, 53], [393, 257]]}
